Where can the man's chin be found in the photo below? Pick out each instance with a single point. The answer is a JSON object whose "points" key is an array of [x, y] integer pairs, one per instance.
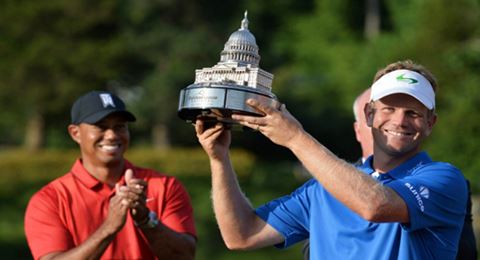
{"points": [[112, 160], [400, 151]]}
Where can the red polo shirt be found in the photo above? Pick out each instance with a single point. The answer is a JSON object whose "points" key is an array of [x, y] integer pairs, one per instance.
{"points": [[68, 210]]}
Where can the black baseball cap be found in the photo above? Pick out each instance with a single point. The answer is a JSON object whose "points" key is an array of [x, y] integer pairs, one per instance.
{"points": [[96, 105]]}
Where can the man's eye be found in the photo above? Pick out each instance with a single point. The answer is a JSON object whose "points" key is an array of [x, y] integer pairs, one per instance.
{"points": [[414, 114], [121, 127], [100, 128]]}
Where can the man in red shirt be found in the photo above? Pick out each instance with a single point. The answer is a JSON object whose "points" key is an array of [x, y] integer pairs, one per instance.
{"points": [[106, 207]]}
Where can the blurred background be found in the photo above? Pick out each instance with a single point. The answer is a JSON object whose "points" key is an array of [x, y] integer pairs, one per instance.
{"points": [[323, 53]]}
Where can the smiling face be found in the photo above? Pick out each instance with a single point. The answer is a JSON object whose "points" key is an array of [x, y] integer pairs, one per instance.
{"points": [[104, 143], [400, 123]]}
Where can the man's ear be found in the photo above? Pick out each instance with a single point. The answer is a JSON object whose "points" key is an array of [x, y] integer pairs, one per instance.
{"points": [[369, 111], [431, 120], [356, 129], [74, 131]]}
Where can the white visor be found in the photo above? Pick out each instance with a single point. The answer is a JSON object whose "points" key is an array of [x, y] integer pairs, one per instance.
{"points": [[406, 82]]}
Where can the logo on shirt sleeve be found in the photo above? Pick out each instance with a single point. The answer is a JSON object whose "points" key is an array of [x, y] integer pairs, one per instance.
{"points": [[423, 192]]}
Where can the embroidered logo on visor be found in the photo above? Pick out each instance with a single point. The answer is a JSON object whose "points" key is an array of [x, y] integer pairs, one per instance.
{"points": [[408, 80]]}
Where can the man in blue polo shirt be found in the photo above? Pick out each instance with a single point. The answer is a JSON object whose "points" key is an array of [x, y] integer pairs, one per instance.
{"points": [[398, 205]]}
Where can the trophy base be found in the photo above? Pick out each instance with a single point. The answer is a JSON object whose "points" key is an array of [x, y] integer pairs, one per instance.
{"points": [[216, 102]]}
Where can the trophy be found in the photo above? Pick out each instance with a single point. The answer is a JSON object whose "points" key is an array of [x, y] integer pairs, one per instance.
{"points": [[222, 90]]}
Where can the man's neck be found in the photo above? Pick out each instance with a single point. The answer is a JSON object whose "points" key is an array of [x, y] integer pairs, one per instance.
{"points": [[108, 174], [383, 162]]}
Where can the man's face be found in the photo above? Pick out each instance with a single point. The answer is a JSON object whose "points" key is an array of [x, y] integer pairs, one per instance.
{"points": [[363, 132], [103, 143], [400, 123]]}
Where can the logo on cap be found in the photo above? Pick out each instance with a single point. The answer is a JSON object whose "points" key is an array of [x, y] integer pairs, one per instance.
{"points": [[408, 80], [107, 100]]}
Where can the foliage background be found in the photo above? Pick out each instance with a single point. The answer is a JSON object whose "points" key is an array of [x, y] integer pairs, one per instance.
{"points": [[322, 52], [260, 181]]}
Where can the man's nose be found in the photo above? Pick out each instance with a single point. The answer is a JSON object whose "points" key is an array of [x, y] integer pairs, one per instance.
{"points": [[110, 133], [399, 117]]}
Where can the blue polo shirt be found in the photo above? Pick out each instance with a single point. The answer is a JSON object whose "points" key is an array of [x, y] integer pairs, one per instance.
{"points": [[436, 196]]}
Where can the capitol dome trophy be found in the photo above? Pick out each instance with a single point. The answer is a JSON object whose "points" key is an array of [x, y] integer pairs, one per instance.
{"points": [[222, 90]]}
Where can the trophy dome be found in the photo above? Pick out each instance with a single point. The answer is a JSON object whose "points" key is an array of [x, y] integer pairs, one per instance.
{"points": [[242, 36], [241, 47]]}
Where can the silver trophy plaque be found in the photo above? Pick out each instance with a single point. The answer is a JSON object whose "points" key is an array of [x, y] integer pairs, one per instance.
{"points": [[222, 90]]}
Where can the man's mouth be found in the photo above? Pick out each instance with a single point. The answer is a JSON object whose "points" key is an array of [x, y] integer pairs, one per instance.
{"points": [[110, 147], [396, 133]]}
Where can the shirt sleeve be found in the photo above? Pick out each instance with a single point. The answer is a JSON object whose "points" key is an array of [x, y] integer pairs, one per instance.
{"points": [[178, 211], [435, 195], [44, 228], [289, 215]]}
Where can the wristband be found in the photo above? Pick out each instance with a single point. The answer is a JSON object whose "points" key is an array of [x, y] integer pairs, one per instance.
{"points": [[150, 222]]}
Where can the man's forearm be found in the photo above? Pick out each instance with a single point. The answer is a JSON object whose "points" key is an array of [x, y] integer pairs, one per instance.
{"points": [[234, 213], [169, 244], [357, 191], [92, 248]]}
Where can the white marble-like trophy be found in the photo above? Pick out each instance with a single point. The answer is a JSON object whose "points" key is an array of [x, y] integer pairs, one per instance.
{"points": [[223, 89]]}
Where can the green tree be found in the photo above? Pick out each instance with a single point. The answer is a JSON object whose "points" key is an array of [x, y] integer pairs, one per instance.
{"points": [[332, 61], [51, 52]]}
